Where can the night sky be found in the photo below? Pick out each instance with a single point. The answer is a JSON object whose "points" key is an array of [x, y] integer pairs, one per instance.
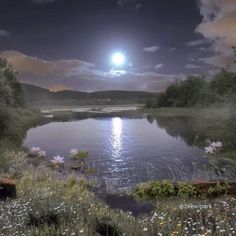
{"points": [[67, 44]]}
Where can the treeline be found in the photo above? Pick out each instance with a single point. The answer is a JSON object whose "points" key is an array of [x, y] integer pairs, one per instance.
{"points": [[15, 117], [197, 91]]}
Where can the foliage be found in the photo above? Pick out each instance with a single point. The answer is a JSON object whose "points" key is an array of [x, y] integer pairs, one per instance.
{"points": [[11, 93], [15, 121], [224, 83], [163, 189], [197, 91], [188, 190], [229, 134], [15, 118], [218, 189], [17, 163], [155, 189]]}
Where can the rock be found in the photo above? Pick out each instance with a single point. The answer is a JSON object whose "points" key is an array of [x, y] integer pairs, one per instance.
{"points": [[7, 189]]}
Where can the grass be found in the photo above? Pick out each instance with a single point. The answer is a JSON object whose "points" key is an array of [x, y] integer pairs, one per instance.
{"points": [[14, 123], [48, 203]]}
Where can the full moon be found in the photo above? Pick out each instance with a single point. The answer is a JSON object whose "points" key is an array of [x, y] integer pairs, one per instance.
{"points": [[118, 59]]}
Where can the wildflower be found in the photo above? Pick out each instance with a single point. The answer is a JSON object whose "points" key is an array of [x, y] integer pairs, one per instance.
{"points": [[145, 229], [216, 144], [209, 149], [81, 231], [35, 150], [58, 160], [42, 153], [73, 152]]}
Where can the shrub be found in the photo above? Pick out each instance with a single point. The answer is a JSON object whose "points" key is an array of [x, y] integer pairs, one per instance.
{"points": [[188, 190]]}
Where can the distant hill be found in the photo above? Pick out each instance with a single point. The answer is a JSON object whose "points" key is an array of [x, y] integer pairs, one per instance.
{"points": [[40, 96]]}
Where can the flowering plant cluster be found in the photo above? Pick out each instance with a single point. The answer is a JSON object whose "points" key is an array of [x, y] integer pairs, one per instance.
{"points": [[213, 147], [58, 159], [37, 151]]}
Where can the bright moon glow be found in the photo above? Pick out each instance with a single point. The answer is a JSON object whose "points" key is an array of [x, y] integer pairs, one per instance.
{"points": [[118, 59]]}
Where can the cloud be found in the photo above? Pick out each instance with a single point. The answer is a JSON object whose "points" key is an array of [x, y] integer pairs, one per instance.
{"points": [[126, 2], [81, 75], [192, 66], [158, 66], [151, 49], [138, 6], [197, 42], [4, 33], [42, 1], [218, 25], [172, 49]]}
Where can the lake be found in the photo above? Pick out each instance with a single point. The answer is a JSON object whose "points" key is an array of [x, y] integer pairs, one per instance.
{"points": [[127, 151]]}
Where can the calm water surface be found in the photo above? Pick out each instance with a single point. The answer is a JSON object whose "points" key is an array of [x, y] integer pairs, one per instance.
{"points": [[126, 151]]}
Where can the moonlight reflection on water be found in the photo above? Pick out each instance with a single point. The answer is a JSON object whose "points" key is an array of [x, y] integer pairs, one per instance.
{"points": [[116, 138], [128, 151]]}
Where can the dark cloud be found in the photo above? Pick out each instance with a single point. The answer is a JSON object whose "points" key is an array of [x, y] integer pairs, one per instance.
{"points": [[4, 33], [42, 1], [172, 49]]}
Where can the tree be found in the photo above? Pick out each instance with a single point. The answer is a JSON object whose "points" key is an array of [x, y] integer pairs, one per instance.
{"points": [[224, 83], [184, 94], [11, 93]]}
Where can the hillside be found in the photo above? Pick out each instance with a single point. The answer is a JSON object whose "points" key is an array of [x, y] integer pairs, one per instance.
{"points": [[40, 96]]}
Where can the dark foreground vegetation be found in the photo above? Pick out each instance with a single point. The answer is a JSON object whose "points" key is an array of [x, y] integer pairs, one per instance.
{"points": [[15, 116]]}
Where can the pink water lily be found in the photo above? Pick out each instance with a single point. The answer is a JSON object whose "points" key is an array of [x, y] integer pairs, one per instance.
{"points": [[209, 149], [216, 144], [42, 153], [36, 151], [74, 152], [58, 160]]}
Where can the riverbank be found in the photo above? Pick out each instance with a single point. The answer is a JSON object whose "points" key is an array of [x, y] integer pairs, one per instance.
{"points": [[14, 123], [63, 113], [208, 113]]}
